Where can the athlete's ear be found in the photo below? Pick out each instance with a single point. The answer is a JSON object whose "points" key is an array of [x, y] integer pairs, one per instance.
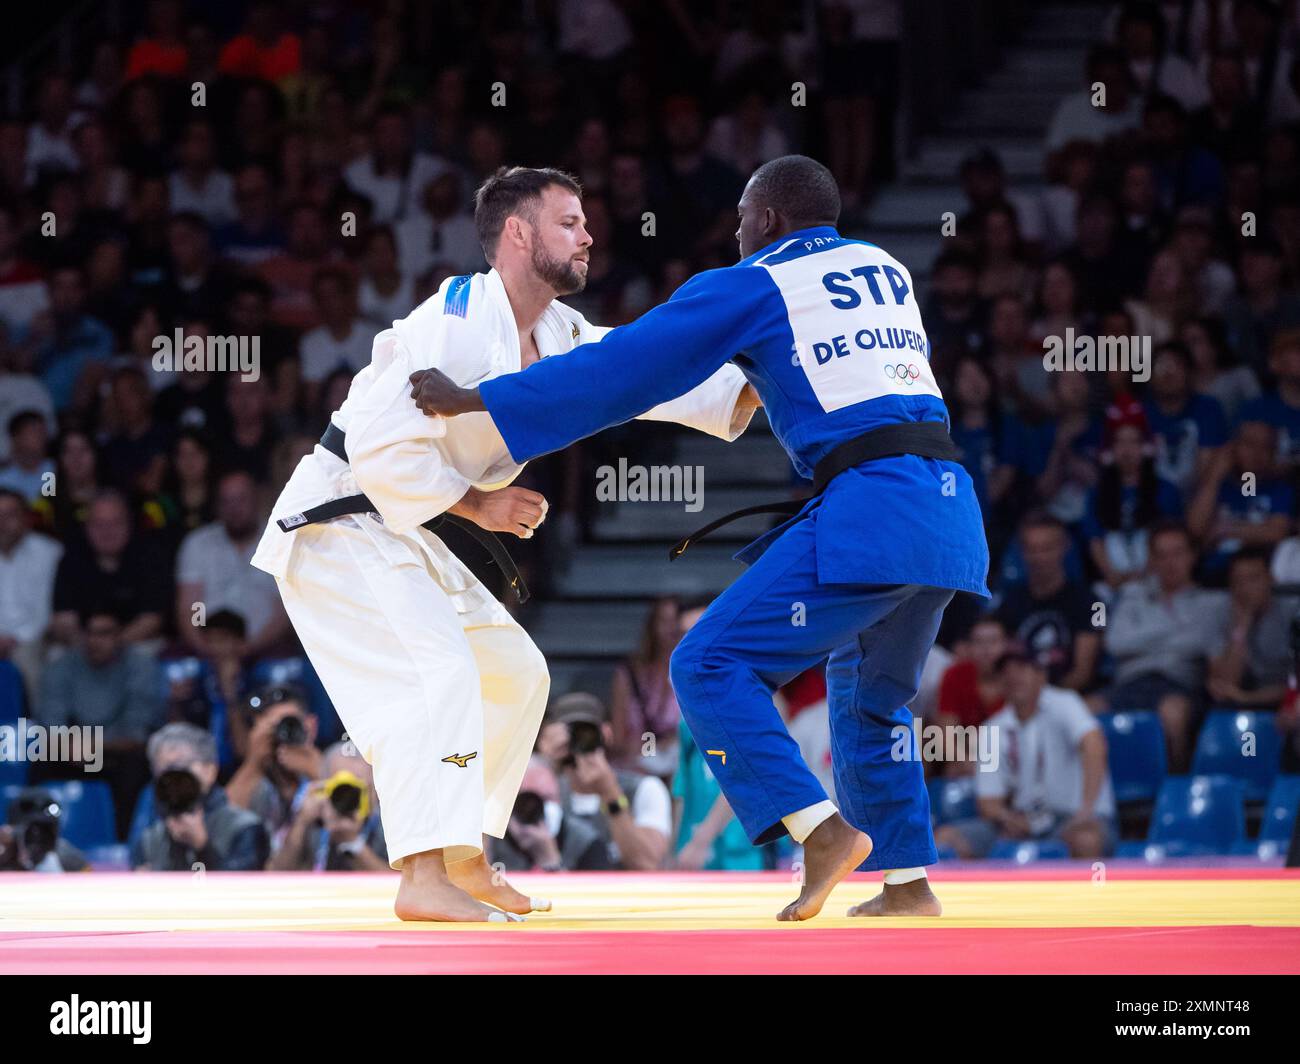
{"points": [[770, 222]]}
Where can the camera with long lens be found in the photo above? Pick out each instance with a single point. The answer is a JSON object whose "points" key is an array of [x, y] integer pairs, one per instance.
{"points": [[584, 738], [347, 795], [530, 808], [292, 730], [34, 819], [177, 791]]}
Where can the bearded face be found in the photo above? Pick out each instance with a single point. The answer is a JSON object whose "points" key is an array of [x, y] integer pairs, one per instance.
{"points": [[562, 273]]}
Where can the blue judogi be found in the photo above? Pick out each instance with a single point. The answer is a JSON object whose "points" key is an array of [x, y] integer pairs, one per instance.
{"points": [[829, 333]]}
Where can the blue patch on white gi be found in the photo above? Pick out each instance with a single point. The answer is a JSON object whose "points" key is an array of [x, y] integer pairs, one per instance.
{"points": [[457, 301]]}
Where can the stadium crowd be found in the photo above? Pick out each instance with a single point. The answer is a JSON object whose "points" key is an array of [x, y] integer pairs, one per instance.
{"points": [[1143, 524]]}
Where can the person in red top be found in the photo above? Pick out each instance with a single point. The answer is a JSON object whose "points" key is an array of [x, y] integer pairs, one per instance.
{"points": [[163, 51], [969, 692], [263, 50]]}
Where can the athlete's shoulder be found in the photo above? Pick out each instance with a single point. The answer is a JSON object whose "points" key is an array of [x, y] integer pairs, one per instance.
{"points": [[462, 296]]}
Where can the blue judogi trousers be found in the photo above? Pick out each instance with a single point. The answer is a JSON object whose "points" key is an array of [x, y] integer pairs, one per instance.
{"points": [[750, 642]]}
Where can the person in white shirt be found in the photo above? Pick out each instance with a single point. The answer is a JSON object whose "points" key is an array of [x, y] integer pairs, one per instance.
{"points": [[387, 294], [437, 685], [197, 185], [441, 232], [28, 562], [1049, 779], [212, 568], [392, 176], [342, 340], [1078, 118]]}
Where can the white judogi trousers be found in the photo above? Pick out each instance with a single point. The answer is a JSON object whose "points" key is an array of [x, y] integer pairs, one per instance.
{"points": [[439, 688]]}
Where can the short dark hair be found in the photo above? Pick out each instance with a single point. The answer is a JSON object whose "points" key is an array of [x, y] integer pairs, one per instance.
{"points": [[514, 190], [22, 419], [798, 187]]}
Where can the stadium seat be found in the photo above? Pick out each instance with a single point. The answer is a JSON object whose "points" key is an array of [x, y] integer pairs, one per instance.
{"points": [[1199, 815], [87, 811], [114, 858], [1135, 744], [12, 699], [1280, 810], [1026, 852], [1220, 749], [952, 799], [13, 773]]}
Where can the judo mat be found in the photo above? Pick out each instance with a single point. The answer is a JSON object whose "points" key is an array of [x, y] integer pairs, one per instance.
{"points": [[1060, 918]]}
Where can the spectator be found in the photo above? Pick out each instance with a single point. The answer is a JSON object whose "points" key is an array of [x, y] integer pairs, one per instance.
{"points": [[1241, 502], [342, 339], [1087, 116], [1251, 657], [1265, 309], [970, 691], [197, 186], [264, 51], [1052, 617], [161, 50], [105, 683], [116, 571], [280, 760], [1279, 407], [76, 478], [1051, 782], [1129, 497], [255, 234], [30, 839], [29, 471], [1189, 427], [441, 232], [196, 827], [24, 296], [135, 455], [540, 837], [1160, 632], [337, 827], [386, 294], [28, 562], [213, 571], [392, 175], [72, 348], [290, 272], [643, 707], [631, 812], [1232, 386]]}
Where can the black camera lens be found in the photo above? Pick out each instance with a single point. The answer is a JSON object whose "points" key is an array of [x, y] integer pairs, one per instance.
{"points": [[529, 808], [39, 837], [584, 738], [346, 799], [177, 791], [291, 731]]}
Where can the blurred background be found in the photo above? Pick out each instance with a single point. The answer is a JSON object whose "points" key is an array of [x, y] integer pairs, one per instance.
{"points": [[302, 173]]}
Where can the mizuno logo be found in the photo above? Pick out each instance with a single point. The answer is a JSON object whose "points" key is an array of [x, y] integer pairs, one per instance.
{"points": [[460, 760]]}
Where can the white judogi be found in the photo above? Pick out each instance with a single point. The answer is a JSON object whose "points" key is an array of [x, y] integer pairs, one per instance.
{"points": [[421, 662]]}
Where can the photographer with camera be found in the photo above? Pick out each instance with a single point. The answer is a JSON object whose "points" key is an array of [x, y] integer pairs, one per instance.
{"points": [[196, 824], [281, 760], [337, 827], [540, 838], [630, 811], [29, 838]]}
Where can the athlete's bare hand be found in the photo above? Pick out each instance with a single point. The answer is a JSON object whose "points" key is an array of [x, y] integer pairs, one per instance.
{"points": [[514, 510], [436, 393]]}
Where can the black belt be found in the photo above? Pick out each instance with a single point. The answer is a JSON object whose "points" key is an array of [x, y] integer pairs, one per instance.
{"points": [[332, 441], [927, 439]]}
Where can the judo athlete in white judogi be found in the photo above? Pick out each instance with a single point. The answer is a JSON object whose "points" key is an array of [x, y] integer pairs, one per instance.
{"points": [[438, 686]]}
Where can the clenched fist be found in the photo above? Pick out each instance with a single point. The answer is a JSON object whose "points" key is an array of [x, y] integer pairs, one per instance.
{"points": [[436, 393], [514, 510]]}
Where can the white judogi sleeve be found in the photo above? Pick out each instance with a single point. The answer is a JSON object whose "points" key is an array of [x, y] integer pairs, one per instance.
{"points": [[708, 407], [389, 439]]}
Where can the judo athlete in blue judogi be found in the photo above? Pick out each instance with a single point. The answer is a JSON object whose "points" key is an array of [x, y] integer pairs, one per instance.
{"points": [[828, 331]]}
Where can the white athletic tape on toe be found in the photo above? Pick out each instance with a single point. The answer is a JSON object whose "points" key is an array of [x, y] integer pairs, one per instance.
{"points": [[539, 905]]}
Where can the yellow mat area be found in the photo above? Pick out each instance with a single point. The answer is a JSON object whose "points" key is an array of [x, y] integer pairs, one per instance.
{"points": [[181, 902]]}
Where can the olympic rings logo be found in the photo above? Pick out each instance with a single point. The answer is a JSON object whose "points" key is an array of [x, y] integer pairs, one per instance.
{"points": [[905, 373]]}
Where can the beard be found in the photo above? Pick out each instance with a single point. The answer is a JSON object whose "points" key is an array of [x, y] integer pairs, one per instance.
{"points": [[560, 274]]}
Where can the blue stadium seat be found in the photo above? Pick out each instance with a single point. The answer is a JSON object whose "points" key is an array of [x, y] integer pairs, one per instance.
{"points": [[1220, 749], [1135, 743], [1199, 815], [13, 773], [87, 811], [1026, 852], [1150, 852], [952, 799], [114, 858], [12, 699], [145, 813], [1280, 810]]}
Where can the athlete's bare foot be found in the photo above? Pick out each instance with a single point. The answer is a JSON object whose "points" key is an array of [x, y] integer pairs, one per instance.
{"points": [[426, 893], [903, 899], [477, 879], [831, 852]]}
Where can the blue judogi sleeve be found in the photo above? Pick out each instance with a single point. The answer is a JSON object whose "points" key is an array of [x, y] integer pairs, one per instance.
{"points": [[663, 354]]}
